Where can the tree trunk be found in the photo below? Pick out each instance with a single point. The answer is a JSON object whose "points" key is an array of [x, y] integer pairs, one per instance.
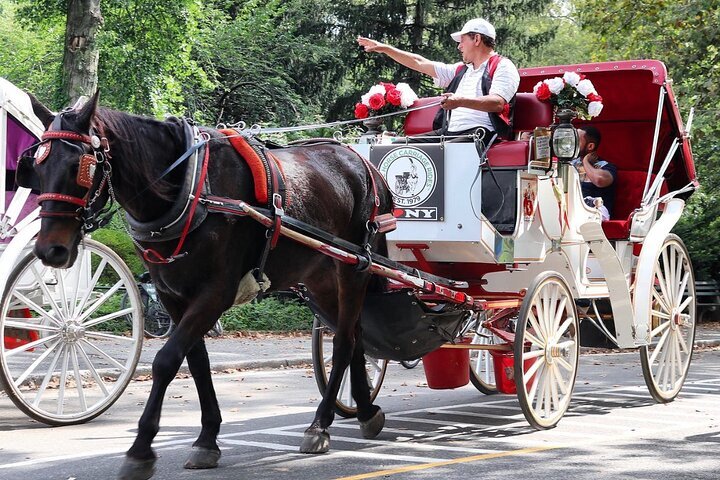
{"points": [[80, 59]]}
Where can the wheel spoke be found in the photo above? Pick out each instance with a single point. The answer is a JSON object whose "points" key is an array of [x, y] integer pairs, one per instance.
{"points": [[93, 371], [663, 287], [23, 376], [32, 327], [92, 284], [95, 305], [564, 363], [38, 309], [536, 326], [530, 372], [48, 375], [63, 380], [685, 303], [554, 390], [556, 321], [564, 327], [105, 318], [47, 295], [683, 285], [107, 357], [80, 269], [78, 378], [661, 300], [535, 341], [109, 336], [535, 382], [661, 342], [560, 380], [660, 329], [659, 314], [30, 346]]}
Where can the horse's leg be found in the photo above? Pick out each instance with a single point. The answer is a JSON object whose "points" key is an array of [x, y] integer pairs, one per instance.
{"points": [[371, 417], [351, 293], [140, 459], [205, 452]]}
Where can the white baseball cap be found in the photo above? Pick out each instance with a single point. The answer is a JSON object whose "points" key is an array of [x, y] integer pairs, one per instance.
{"points": [[476, 25]]}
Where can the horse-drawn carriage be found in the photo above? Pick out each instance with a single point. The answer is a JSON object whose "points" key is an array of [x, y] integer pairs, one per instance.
{"points": [[546, 274], [64, 356], [490, 254]]}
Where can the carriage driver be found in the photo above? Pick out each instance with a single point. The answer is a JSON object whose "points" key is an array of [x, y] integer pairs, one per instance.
{"points": [[597, 176], [470, 109]]}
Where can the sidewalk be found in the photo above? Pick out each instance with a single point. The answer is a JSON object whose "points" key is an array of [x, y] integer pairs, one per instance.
{"points": [[267, 351]]}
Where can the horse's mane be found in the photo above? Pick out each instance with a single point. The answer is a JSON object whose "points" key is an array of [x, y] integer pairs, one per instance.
{"points": [[128, 139]]}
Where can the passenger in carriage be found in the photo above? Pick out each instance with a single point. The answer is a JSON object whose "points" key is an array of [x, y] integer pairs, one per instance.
{"points": [[597, 176], [479, 91]]}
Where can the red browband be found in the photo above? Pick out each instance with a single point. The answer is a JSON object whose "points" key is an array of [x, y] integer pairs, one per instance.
{"points": [[66, 135]]}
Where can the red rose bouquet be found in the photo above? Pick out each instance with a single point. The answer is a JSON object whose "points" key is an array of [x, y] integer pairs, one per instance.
{"points": [[385, 98]]}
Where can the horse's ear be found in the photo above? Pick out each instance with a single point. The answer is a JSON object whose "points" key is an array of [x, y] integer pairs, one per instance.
{"points": [[41, 111], [88, 109]]}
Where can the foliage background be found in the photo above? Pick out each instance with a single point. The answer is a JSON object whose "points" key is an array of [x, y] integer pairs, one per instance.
{"points": [[293, 62]]}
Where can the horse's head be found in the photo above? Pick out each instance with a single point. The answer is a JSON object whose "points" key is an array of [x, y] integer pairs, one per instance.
{"points": [[67, 169]]}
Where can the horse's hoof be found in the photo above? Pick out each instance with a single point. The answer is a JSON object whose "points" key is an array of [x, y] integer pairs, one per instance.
{"points": [[201, 457], [374, 426], [133, 469], [315, 441]]}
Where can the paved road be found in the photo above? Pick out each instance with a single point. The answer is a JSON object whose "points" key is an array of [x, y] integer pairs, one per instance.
{"points": [[613, 430]]}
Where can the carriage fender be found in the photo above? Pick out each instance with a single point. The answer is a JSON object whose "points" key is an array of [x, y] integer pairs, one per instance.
{"points": [[652, 244], [14, 251]]}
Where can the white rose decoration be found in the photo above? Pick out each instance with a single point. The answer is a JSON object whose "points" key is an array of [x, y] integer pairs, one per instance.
{"points": [[585, 87], [572, 78], [555, 85], [594, 108], [537, 85], [407, 96]]}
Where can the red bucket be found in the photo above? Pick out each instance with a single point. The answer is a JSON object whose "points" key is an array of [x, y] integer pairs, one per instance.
{"points": [[447, 367], [504, 366]]}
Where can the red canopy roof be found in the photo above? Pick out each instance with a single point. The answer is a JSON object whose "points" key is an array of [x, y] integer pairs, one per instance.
{"points": [[631, 91]]}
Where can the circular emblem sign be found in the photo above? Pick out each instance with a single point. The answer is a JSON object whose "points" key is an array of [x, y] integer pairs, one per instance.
{"points": [[410, 174]]}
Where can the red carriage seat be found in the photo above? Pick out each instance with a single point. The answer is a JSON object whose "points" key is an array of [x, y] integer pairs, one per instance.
{"points": [[628, 195], [529, 113]]}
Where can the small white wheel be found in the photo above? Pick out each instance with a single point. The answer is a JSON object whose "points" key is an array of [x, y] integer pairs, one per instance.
{"points": [[666, 359], [66, 350], [482, 371], [547, 348], [345, 404]]}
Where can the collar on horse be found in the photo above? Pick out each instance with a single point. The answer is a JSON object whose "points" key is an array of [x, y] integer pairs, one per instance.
{"points": [[172, 224]]}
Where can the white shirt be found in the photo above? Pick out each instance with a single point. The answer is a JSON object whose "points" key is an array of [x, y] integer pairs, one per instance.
{"points": [[505, 83]]}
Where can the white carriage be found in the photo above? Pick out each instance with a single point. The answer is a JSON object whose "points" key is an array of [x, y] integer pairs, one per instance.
{"points": [[535, 268], [66, 351]]}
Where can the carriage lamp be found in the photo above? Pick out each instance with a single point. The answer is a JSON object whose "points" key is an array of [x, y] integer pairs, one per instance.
{"points": [[565, 140]]}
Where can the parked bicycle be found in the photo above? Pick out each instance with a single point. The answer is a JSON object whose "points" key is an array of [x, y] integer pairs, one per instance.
{"points": [[158, 323]]}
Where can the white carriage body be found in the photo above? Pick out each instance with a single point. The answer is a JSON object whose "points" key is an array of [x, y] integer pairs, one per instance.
{"points": [[553, 228]]}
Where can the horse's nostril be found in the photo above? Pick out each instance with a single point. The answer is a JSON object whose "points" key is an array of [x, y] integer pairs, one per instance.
{"points": [[56, 256]]}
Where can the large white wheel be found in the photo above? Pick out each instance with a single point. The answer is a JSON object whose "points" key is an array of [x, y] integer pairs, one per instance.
{"points": [[322, 363], [666, 360], [482, 371], [547, 348], [66, 350]]}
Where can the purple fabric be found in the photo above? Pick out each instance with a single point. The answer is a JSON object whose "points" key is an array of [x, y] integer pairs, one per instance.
{"points": [[18, 139], [30, 205]]}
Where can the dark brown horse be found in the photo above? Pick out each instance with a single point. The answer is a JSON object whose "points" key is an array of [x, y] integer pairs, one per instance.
{"points": [[328, 186]]}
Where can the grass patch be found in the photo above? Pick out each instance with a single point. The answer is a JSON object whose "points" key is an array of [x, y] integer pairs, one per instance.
{"points": [[271, 314]]}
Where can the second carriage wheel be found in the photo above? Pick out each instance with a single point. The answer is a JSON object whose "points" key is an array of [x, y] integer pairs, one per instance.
{"points": [[322, 363], [482, 371], [66, 350], [666, 359], [547, 348]]}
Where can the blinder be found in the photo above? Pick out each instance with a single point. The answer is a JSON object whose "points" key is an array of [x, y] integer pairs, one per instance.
{"points": [[25, 175]]}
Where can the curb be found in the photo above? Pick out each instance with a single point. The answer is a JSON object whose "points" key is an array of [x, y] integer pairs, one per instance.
{"points": [[145, 369]]}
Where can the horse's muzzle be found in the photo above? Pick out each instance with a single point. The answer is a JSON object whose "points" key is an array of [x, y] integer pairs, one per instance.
{"points": [[57, 251]]}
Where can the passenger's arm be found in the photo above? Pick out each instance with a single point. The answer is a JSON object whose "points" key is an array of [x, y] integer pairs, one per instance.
{"points": [[599, 177], [410, 60]]}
